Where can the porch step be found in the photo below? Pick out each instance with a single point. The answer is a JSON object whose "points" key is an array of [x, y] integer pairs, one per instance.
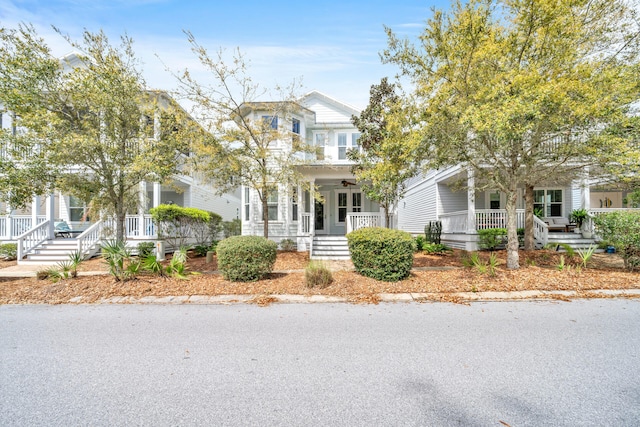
{"points": [[576, 241], [51, 252], [330, 247]]}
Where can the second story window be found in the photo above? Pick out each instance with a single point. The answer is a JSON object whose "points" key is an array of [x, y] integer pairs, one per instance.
{"points": [[271, 120], [272, 205], [320, 143], [295, 126], [342, 146]]}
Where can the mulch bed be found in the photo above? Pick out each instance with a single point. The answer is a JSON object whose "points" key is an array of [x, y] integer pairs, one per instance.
{"points": [[539, 271]]}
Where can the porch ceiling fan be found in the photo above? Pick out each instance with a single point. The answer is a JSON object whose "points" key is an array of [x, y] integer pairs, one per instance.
{"points": [[346, 183]]}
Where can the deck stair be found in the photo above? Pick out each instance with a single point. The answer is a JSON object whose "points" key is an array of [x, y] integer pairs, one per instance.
{"points": [[51, 252], [575, 240], [330, 248]]}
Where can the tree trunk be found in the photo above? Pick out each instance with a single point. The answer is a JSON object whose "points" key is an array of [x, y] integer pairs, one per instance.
{"points": [[513, 260], [120, 220], [265, 217], [529, 240]]}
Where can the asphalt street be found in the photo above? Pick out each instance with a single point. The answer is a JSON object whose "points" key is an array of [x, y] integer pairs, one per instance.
{"points": [[520, 363]]}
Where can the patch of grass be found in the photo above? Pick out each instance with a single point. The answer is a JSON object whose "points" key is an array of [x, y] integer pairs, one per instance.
{"points": [[317, 275]]}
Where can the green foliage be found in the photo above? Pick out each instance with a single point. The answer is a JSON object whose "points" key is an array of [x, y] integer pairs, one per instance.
{"points": [[201, 250], [288, 245], [433, 232], [317, 275], [381, 253], [8, 251], [419, 241], [145, 249], [246, 258], [177, 224], [579, 216], [622, 230], [586, 254], [388, 156], [561, 264], [232, 228], [492, 238], [122, 264], [435, 248], [481, 266], [565, 246]]}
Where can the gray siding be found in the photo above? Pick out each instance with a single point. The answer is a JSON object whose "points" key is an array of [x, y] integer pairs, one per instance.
{"points": [[451, 201], [418, 207]]}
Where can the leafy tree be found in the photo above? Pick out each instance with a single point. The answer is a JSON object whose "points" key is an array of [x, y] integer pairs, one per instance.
{"points": [[96, 120], [252, 143], [502, 81], [388, 153]]}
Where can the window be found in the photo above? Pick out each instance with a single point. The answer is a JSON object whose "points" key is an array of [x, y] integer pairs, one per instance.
{"points": [[342, 146], [354, 140], [494, 200], [246, 204], [272, 120], [272, 204], [295, 126], [320, 143], [342, 207], [549, 202], [77, 209], [356, 202], [294, 205]]}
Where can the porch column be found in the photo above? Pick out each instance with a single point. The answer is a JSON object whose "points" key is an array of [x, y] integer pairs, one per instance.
{"points": [[312, 207], [35, 210], [585, 192], [157, 191], [9, 222], [300, 201], [142, 194], [49, 212], [471, 202]]}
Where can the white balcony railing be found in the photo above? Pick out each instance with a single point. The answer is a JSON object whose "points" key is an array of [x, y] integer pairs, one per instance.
{"points": [[358, 220], [306, 223]]}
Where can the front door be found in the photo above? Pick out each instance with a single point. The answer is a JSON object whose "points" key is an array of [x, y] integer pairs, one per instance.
{"points": [[320, 223]]}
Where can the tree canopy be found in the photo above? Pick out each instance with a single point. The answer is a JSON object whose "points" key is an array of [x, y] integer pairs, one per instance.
{"points": [[518, 90]]}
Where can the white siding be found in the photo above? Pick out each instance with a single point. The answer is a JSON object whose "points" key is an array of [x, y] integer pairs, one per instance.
{"points": [[326, 113], [227, 206], [418, 207], [451, 201]]}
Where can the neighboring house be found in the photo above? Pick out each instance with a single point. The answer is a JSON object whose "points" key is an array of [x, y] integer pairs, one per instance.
{"points": [[24, 225]]}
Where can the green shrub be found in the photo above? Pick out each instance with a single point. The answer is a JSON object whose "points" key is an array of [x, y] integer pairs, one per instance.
{"points": [[145, 249], [201, 250], [317, 275], [381, 253], [288, 245], [420, 242], [232, 228], [246, 258], [9, 251], [122, 265], [492, 238], [622, 230], [435, 248], [177, 224]]}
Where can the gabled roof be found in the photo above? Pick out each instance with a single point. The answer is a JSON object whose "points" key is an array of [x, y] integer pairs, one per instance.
{"points": [[326, 98], [248, 107]]}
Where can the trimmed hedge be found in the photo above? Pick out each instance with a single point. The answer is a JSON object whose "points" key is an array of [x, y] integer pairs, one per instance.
{"points": [[246, 258], [381, 253]]}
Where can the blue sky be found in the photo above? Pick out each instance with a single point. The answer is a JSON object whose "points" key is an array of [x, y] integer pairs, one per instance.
{"points": [[333, 45]]}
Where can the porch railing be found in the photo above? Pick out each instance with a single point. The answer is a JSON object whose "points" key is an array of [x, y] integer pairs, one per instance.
{"points": [[496, 218], [540, 231], [132, 226], [31, 239], [89, 239], [18, 224], [306, 223], [357, 220], [454, 222]]}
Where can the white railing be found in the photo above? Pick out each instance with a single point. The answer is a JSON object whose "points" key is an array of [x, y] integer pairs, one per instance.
{"points": [[132, 227], [89, 238], [31, 239], [496, 218], [358, 220], [306, 223], [454, 222], [19, 224], [540, 231]]}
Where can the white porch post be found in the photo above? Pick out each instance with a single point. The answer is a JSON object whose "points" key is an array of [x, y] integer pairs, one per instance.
{"points": [[471, 202], [49, 212], [312, 207], [157, 191], [300, 201], [9, 223], [35, 210], [585, 192], [142, 193]]}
